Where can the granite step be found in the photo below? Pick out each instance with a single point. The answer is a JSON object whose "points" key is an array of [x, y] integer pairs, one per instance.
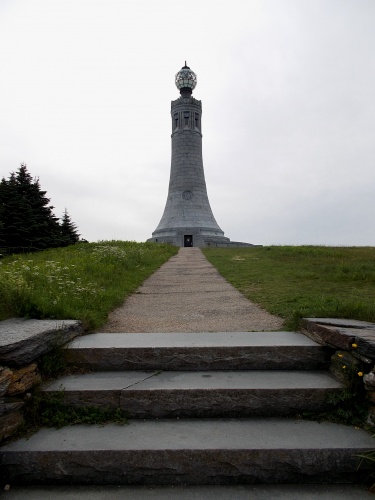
{"points": [[200, 394], [224, 492], [197, 351], [190, 451]]}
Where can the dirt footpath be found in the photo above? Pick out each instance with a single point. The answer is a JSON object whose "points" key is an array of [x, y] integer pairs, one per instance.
{"points": [[187, 294]]}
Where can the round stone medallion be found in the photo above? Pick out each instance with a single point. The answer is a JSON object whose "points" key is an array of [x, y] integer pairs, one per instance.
{"points": [[187, 195]]}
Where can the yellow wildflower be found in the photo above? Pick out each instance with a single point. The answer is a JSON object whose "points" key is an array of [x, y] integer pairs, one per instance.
{"points": [[344, 367], [340, 355], [360, 374], [354, 346]]}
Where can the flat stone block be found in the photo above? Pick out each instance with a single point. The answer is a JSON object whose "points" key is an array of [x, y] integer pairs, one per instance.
{"points": [[342, 322], [9, 405], [24, 379], [9, 423], [5, 379], [192, 451], [24, 340], [197, 351], [223, 492], [200, 394], [342, 334]]}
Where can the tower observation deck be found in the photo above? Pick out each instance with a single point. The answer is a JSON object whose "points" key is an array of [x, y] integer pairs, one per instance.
{"points": [[188, 219]]}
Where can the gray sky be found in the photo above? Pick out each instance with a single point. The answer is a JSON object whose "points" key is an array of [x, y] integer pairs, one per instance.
{"points": [[288, 96]]}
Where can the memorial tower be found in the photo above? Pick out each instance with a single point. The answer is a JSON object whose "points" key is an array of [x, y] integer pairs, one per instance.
{"points": [[188, 219]]}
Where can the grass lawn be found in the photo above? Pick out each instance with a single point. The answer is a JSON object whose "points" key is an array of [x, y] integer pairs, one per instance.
{"points": [[83, 281], [88, 280], [305, 281]]}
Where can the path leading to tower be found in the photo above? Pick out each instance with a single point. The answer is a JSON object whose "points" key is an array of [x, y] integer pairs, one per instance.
{"points": [[187, 294]]}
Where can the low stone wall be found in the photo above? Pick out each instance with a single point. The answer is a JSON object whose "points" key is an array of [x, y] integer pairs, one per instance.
{"points": [[354, 342], [229, 244], [22, 343]]}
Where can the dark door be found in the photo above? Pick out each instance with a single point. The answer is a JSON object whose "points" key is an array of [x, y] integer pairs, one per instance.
{"points": [[188, 240]]}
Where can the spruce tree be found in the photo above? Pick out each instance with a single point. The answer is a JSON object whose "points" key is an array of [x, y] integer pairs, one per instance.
{"points": [[27, 220], [69, 230], [10, 213]]}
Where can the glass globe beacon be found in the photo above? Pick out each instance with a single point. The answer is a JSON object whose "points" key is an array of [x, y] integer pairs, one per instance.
{"points": [[186, 79]]}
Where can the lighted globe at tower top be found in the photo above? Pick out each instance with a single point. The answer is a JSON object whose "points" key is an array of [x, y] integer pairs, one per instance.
{"points": [[186, 80]]}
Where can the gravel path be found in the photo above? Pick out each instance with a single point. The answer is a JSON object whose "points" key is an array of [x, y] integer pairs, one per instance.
{"points": [[187, 294]]}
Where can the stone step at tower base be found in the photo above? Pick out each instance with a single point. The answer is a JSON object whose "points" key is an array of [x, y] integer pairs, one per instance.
{"points": [[191, 451], [264, 443], [205, 394]]}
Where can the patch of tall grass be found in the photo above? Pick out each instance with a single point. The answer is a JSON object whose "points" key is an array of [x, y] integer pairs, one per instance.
{"points": [[303, 281], [83, 281]]}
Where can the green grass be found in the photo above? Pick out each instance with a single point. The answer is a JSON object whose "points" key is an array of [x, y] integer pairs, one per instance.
{"points": [[83, 281], [53, 412], [306, 281], [86, 281], [349, 406]]}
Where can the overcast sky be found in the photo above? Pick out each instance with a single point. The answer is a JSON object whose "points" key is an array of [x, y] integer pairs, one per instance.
{"points": [[288, 95]]}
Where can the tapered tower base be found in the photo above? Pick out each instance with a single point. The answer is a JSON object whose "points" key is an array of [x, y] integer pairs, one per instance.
{"points": [[189, 237]]}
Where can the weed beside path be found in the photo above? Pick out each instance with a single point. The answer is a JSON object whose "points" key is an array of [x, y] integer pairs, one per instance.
{"points": [[306, 281], [83, 281]]}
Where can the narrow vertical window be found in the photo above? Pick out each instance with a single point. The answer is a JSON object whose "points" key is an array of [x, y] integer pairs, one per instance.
{"points": [[175, 120], [197, 120], [186, 116]]}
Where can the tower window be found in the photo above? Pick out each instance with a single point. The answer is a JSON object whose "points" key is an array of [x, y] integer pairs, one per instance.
{"points": [[197, 120], [176, 120], [186, 116]]}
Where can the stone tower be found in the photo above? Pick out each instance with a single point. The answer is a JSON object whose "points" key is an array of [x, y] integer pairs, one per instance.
{"points": [[188, 219]]}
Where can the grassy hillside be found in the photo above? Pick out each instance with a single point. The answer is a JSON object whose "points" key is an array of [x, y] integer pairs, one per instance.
{"points": [[305, 281], [84, 281]]}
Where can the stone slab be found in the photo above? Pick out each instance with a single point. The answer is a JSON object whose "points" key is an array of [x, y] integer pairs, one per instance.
{"points": [[192, 451], [342, 334], [5, 379], [216, 380], [9, 423], [200, 394], [192, 339], [24, 340], [9, 405], [24, 379], [197, 351], [237, 492], [343, 323]]}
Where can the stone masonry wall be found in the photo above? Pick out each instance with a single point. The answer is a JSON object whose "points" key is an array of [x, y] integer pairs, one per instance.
{"points": [[22, 343], [354, 342]]}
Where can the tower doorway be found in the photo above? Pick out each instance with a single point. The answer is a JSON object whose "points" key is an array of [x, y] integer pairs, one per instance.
{"points": [[188, 240]]}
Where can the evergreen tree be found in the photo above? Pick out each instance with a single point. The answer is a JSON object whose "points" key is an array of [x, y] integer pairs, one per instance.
{"points": [[10, 213], [68, 230], [2, 241], [26, 220]]}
